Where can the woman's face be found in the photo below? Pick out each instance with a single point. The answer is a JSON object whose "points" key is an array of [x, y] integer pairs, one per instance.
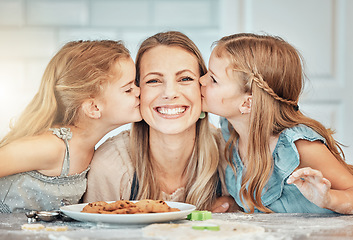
{"points": [[170, 100], [220, 88]]}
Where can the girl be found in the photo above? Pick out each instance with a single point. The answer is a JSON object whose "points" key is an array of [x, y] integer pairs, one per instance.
{"points": [[172, 154], [254, 82], [86, 91]]}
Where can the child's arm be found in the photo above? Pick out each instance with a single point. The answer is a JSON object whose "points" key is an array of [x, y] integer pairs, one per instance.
{"points": [[330, 185], [34, 153]]}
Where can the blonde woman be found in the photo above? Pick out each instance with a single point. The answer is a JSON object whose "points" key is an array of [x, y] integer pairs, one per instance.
{"points": [[282, 161], [86, 91], [172, 154]]}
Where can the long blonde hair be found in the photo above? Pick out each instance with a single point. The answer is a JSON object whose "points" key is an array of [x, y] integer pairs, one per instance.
{"points": [[76, 73], [272, 72], [201, 171]]}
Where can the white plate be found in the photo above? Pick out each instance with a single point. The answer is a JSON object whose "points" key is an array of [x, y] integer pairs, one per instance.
{"points": [[74, 211]]}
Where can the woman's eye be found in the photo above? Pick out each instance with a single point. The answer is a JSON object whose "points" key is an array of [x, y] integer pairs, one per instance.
{"points": [[151, 81], [213, 80], [128, 90], [185, 79]]}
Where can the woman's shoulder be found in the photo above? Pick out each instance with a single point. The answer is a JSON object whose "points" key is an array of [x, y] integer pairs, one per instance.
{"points": [[111, 170], [120, 142], [114, 149]]}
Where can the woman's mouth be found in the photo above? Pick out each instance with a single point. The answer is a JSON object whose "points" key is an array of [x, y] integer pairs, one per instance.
{"points": [[171, 111]]}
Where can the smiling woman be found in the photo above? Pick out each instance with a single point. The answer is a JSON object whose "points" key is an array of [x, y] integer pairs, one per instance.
{"points": [[170, 101], [171, 154]]}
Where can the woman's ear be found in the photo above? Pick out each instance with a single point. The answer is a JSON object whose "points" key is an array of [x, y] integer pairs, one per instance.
{"points": [[91, 108], [245, 107]]}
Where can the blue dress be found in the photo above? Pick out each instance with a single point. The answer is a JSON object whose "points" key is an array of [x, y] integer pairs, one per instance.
{"points": [[278, 196]]}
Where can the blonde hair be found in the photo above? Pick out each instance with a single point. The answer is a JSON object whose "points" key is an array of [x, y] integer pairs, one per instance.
{"points": [[201, 171], [76, 73], [271, 70]]}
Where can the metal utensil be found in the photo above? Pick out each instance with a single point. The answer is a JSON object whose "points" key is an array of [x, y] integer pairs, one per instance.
{"points": [[48, 216], [31, 216]]}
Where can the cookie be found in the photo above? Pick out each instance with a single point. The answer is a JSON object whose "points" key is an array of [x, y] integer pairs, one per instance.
{"points": [[154, 206], [120, 204], [94, 207], [128, 207]]}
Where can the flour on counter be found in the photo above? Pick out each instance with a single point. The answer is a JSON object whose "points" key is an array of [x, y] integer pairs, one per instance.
{"points": [[228, 230]]}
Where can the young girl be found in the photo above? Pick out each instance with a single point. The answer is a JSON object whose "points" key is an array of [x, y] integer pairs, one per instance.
{"points": [[254, 82], [86, 91]]}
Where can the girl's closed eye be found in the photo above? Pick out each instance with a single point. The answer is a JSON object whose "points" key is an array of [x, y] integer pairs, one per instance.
{"points": [[128, 90], [213, 79]]}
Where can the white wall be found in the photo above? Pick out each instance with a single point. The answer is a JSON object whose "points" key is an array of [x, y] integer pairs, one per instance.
{"points": [[31, 31]]}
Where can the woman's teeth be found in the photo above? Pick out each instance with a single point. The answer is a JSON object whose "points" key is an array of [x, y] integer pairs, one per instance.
{"points": [[171, 111]]}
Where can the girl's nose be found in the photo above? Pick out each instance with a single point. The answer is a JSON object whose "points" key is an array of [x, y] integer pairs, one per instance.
{"points": [[136, 90], [203, 80]]}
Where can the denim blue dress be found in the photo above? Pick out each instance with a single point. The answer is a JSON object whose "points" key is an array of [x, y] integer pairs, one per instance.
{"points": [[278, 196]]}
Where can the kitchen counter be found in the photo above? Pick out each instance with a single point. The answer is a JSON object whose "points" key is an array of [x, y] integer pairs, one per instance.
{"points": [[276, 226]]}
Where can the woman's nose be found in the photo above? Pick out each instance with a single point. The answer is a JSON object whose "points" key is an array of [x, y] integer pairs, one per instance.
{"points": [[171, 91]]}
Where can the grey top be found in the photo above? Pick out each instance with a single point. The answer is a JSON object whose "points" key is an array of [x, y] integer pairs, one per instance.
{"points": [[35, 191]]}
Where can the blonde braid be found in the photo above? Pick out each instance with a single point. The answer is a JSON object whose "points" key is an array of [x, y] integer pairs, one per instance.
{"points": [[257, 78]]}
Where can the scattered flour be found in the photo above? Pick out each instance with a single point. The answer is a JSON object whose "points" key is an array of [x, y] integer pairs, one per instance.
{"points": [[228, 230]]}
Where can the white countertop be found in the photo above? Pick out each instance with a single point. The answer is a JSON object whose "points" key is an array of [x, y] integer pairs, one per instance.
{"points": [[276, 226]]}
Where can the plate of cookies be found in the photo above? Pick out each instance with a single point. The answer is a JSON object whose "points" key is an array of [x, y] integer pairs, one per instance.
{"points": [[128, 212]]}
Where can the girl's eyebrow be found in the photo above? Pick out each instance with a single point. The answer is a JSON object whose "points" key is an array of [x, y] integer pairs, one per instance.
{"points": [[212, 72], [128, 83]]}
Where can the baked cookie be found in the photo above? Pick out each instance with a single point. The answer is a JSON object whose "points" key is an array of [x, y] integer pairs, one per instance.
{"points": [[128, 207], [120, 204], [154, 206], [94, 207]]}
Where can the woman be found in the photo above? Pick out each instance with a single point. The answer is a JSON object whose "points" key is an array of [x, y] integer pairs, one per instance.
{"points": [[172, 154]]}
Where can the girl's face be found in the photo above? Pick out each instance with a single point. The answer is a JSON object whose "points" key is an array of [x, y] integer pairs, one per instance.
{"points": [[121, 96], [220, 88], [170, 89]]}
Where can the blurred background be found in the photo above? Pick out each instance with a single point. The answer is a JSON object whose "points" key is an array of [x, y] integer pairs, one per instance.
{"points": [[32, 31]]}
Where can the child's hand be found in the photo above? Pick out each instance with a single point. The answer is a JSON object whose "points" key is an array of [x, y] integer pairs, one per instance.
{"points": [[312, 185], [225, 204]]}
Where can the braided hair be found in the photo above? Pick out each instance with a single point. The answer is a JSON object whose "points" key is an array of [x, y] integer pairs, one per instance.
{"points": [[271, 71]]}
